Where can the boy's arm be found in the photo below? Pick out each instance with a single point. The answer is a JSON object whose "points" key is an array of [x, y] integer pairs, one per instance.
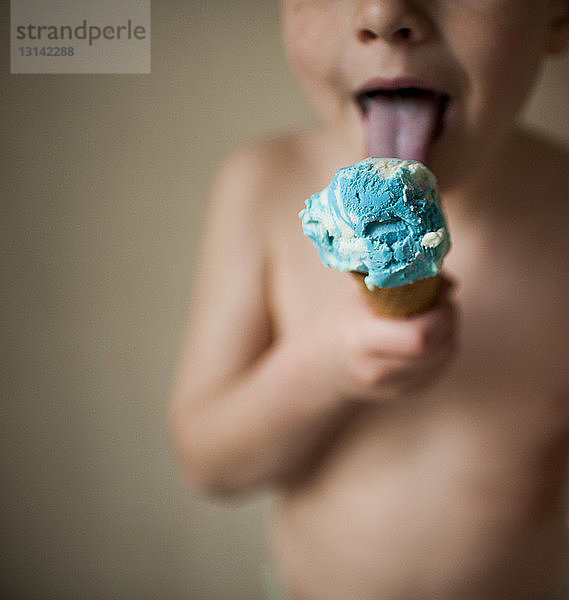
{"points": [[245, 407]]}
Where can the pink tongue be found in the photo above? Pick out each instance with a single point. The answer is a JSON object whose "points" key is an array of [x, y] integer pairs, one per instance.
{"points": [[401, 127]]}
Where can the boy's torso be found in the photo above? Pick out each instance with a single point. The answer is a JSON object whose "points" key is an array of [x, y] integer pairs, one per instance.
{"points": [[456, 493]]}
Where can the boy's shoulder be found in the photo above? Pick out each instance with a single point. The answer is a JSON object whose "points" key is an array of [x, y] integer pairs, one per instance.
{"points": [[265, 161], [542, 197], [548, 151], [253, 181], [274, 174], [543, 169]]}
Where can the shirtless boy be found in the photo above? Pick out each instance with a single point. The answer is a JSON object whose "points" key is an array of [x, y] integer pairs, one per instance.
{"points": [[415, 459]]}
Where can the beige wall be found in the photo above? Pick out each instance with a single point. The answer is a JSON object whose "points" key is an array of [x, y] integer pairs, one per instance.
{"points": [[104, 180]]}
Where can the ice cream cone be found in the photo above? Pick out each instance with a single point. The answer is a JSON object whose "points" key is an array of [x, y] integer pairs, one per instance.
{"points": [[403, 300], [384, 217]]}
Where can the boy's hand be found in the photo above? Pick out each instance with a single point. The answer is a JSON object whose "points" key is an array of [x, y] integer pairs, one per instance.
{"points": [[382, 359]]}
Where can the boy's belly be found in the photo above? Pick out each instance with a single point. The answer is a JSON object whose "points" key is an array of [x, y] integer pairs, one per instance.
{"points": [[426, 502]]}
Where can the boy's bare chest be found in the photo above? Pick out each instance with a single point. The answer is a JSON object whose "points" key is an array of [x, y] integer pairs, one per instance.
{"points": [[510, 377], [460, 473], [471, 470]]}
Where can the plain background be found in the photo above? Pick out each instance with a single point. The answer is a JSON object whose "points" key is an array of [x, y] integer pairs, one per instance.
{"points": [[104, 180]]}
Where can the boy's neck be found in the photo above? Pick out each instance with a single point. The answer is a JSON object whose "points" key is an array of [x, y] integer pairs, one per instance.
{"points": [[487, 194]]}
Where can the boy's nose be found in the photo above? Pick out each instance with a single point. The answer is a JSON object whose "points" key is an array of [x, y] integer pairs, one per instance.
{"points": [[393, 21]]}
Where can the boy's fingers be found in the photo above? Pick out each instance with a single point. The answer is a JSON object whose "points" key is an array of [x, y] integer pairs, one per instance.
{"points": [[388, 337], [448, 284], [410, 337]]}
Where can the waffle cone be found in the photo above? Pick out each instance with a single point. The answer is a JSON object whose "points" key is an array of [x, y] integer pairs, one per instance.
{"points": [[403, 300]]}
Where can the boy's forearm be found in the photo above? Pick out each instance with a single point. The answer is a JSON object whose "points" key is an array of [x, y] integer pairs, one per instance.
{"points": [[259, 426]]}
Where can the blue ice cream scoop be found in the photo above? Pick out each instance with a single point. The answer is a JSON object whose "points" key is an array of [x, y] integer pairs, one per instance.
{"points": [[382, 217]]}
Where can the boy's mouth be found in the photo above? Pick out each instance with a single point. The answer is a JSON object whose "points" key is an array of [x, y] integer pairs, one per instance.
{"points": [[402, 122]]}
